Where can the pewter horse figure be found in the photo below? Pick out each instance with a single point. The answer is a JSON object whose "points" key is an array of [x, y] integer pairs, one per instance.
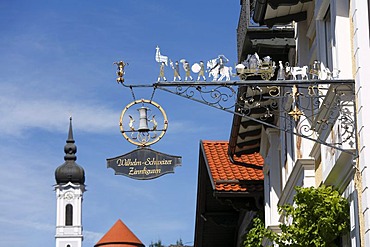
{"points": [[215, 70], [295, 71]]}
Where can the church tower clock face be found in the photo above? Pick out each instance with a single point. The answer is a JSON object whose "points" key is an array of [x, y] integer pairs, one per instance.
{"points": [[69, 196]]}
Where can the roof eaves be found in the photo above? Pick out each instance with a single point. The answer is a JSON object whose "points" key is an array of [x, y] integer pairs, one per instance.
{"points": [[301, 16], [207, 166], [234, 194]]}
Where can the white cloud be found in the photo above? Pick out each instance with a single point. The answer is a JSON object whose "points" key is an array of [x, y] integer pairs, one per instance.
{"points": [[20, 223], [91, 238], [20, 113], [27, 196]]}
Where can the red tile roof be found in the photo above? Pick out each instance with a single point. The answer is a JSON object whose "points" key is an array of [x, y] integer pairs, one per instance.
{"points": [[228, 176], [119, 236]]}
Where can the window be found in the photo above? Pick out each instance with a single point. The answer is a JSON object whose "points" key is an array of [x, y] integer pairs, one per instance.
{"points": [[328, 41], [368, 14], [69, 214]]}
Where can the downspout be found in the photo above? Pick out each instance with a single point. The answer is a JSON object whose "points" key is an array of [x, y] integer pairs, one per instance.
{"points": [[231, 158], [234, 137]]}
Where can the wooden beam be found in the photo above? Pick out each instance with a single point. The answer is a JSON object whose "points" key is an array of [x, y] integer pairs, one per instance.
{"points": [[301, 16]]}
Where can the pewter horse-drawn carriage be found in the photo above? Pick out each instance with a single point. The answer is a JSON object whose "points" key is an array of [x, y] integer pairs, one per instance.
{"points": [[254, 66]]}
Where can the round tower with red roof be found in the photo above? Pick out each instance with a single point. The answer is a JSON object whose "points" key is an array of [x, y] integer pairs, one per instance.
{"points": [[119, 236]]}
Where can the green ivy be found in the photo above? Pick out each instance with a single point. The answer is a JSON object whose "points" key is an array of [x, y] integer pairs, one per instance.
{"points": [[256, 234], [317, 218]]}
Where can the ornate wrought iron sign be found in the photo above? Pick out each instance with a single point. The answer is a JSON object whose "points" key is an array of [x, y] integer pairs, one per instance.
{"points": [[143, 123], [144, 163], [311, 101]]}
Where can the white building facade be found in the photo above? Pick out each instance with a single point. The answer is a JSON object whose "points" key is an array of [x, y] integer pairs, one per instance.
{"points": [[336, 33]]}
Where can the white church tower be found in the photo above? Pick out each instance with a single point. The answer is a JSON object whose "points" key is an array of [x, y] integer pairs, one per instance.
{"points": [[69, 188]]}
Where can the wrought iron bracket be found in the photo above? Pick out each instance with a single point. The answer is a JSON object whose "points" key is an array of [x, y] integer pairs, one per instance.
{"points": [[323, 111]]}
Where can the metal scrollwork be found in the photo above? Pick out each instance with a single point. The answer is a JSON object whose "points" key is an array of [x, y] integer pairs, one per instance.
{"points": [[309, 101], [222, 97], [347, 124], [307, 111], [311, 109]]}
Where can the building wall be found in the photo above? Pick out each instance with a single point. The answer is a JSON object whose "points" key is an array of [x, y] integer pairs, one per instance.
{"points": [[359, 17], [336, 32]]}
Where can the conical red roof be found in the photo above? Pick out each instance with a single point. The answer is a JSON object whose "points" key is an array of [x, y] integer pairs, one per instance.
{"points": [[119, 236]]}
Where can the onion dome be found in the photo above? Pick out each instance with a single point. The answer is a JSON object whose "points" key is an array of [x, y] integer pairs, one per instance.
{"points": [[70, 171], [119, 236]]}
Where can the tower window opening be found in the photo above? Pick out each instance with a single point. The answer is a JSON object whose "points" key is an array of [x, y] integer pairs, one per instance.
{"points": [[69, 215]]}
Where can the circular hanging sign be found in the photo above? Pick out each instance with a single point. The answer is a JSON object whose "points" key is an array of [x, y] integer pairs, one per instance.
{"points": [[145, 124]]}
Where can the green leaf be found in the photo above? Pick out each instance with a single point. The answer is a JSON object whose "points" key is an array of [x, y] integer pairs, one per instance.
{"points": [[319, 216]]}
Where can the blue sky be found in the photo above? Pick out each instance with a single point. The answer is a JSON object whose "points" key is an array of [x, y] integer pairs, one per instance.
{"points": [[57, 60]]}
